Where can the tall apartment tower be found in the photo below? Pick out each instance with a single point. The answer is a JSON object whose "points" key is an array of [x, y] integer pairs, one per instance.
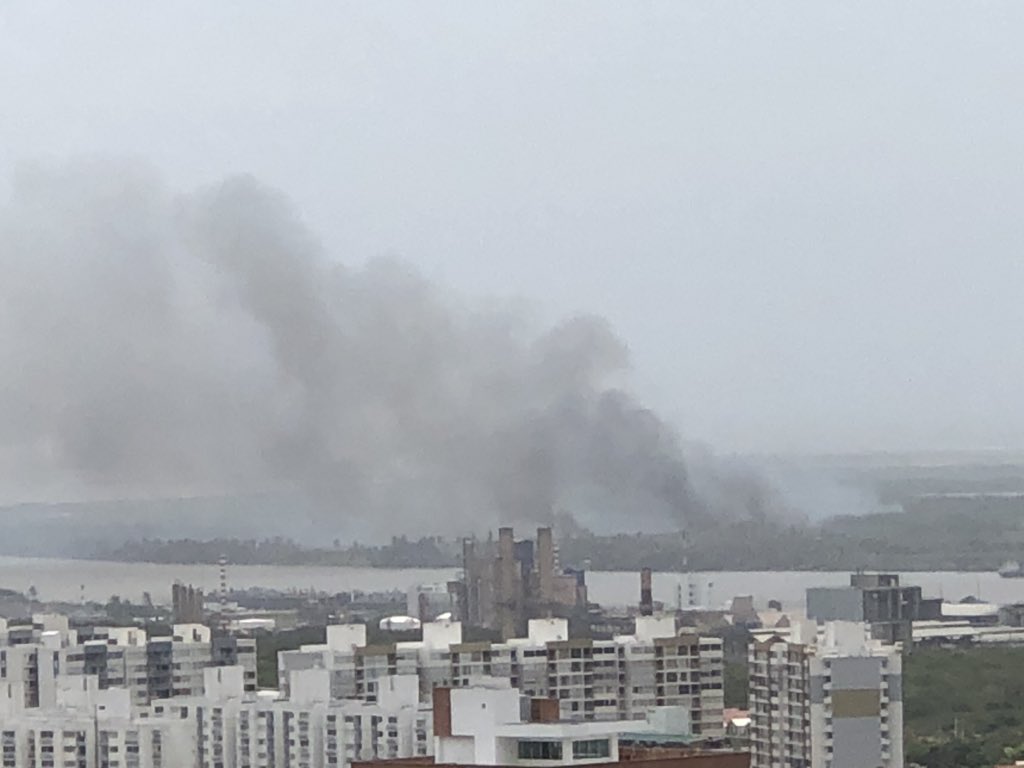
{"points": [[826, 697]]}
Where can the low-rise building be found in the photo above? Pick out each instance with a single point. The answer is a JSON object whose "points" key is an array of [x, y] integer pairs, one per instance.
{"points": [[494, 725]]}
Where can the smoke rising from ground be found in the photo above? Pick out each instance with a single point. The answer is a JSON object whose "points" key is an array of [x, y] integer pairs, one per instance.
{"points": [[167, 344]]}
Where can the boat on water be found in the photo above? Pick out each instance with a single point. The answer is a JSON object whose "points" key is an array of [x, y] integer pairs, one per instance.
{"points": [[1011, 570]]}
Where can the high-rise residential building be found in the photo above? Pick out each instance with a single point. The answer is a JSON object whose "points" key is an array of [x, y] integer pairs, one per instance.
{"points": [[826, 697], [617, 679]]}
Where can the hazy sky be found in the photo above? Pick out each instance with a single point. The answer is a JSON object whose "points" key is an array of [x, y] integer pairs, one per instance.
{"points": [[804, 218]]}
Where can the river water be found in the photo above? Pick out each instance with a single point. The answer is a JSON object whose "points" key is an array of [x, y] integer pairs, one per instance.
{"points": [[71, 580]]}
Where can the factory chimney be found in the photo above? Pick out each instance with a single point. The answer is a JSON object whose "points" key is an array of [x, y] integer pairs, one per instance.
{"points": [[545, 565], [646, 595]]}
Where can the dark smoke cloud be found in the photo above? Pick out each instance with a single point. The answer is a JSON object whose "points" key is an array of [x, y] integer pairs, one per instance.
{"points": [[156, 343]]}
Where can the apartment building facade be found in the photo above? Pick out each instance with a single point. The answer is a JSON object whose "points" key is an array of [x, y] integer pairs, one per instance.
{"points": [[149, 668], [488, 725], [86, 727], [825, 697], [226, 727], [618, 679]]}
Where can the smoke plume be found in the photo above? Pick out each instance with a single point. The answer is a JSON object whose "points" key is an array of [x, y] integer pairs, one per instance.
{"points": [[156, 343]]}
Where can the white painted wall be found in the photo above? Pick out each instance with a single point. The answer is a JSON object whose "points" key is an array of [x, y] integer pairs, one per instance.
{"points": [[654, 627], [394, 691], [441, 634], [457, 750], [222, 683], [547, 630], [346, 637], [191, 633], [309, 686]]}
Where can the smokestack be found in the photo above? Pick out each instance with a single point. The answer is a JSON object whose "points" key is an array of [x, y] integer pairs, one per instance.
{"points": [[505, 601], [469, 595], [646, 595], [545, 564]]}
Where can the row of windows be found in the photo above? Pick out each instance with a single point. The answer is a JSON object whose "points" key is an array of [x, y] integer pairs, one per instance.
{"points": [[585, 749], [539, 750], [590, 748]]}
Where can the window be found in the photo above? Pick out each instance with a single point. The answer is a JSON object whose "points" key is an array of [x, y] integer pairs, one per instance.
{"points": [[540, 750], [591, 748]]}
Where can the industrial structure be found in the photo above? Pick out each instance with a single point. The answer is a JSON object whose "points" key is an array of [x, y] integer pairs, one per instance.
{"points": [[508, 582], [187, 604], [646, 593]]}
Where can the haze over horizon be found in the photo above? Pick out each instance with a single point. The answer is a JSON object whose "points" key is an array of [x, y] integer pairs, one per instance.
{"points": [[799, 258]]}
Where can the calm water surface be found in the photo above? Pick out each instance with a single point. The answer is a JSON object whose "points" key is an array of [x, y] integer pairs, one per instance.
{"points": [[97, 580]]}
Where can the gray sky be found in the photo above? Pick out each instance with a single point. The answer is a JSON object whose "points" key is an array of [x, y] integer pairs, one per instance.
{"points": [[804, 218]]}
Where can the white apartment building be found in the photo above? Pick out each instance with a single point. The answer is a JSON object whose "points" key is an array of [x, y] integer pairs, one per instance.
{"points": [[486, 726], [310, 730], [356, 667], [618, 679], [226, 727], [825, 697], [119, 657], [87, 728]]}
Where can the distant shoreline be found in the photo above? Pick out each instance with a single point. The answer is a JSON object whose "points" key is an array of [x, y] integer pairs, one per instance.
{"points": [[80, 580], [456, 566]]}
